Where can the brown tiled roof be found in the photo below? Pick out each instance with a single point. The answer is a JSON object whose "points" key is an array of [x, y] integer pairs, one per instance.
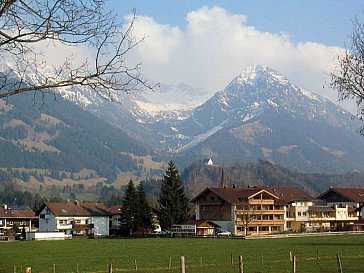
{"points": [[116, 209], [353, 194], [284, 194], [289, 194], [77, 209], [200, 222], [233, 196], [17, 213]]}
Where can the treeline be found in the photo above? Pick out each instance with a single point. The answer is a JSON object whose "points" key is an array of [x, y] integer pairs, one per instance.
{"points": [[12, 195], [199, 176]]}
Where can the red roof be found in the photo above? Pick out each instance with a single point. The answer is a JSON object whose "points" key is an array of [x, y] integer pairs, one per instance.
{"points": [[17, 213], [77, 209], [116, 209], [289, 194], [353, 194], [282, 194], [234, 196], [200, 222]]}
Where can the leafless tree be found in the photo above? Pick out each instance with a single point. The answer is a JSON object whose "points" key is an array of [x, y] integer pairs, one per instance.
{"points": [[348, 78], [27, 25], [245, 214]]}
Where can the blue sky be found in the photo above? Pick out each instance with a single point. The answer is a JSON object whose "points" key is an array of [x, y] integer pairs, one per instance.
{"points": [[326, 21], [206, 44]]}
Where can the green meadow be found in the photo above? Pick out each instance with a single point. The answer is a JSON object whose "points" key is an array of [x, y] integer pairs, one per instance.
{"points": [[156, 255]]}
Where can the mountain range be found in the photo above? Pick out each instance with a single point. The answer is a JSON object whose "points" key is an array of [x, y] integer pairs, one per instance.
{"points": [[259, 115]]}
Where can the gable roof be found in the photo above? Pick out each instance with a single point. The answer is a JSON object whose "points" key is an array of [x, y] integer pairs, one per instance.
{"points": [[76, 209], [234, 196], [199, 223], [17, 213], [353, 194], [288, 194], [116, 209]]}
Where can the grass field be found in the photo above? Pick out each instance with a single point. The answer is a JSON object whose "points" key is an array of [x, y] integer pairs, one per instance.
{"points": [[202, 255]]}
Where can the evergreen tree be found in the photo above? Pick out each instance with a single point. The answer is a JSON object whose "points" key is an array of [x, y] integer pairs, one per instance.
{"points": [[145, 218], [173, 200], [130, 207]]}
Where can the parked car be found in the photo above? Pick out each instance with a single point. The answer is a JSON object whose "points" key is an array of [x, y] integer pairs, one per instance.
{"points": [[223, 232], [164, 233]]}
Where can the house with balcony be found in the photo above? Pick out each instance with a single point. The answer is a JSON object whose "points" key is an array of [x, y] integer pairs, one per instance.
{"points": [[297, 203], [15, 220], [242, 211], [276, 209], [75, 219], [348, 204]]}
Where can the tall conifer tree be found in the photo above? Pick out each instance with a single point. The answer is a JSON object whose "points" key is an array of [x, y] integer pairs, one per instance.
{"points": [[173, 200], [130, 207], [145, 218]]}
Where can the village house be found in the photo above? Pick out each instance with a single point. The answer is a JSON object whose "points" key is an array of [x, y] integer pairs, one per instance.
{"points": [[15, 220], [242, 211], [204, 227], [348, 204], [75, 219], [267, 210], [116, 220]]}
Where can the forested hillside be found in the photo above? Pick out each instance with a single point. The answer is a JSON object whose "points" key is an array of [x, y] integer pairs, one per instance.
{"points": [[50, 133], [198, 176]]}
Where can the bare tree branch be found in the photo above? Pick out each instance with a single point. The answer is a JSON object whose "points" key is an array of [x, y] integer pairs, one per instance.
{"points": [[348, 78], [25, 24]]}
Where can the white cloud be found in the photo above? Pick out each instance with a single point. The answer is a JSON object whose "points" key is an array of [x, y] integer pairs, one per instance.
{"points": [[216, 46]]}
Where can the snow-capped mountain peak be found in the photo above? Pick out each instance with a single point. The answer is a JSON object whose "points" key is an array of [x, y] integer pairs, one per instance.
{"points": [[256, 73]]}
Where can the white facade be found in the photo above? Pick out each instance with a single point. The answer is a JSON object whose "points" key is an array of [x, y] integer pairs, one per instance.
{"points": [[45, 236], [101, 226], [72, 225]]}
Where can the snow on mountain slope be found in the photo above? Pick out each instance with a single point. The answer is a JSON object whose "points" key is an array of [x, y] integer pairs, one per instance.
{"points": [[258, 115]]}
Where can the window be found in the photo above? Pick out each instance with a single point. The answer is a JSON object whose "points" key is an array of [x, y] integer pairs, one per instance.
{"points": [[304, 213], [299, 213]]}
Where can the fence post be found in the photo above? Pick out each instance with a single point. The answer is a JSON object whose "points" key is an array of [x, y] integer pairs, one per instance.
{"points": [[54, 268], [339, 263], [294, 264], [232, 259], [200, 261], [170, 263], [241, 264], [290, 256], [77, 268], [183, 266], [136, 265], [110, 268], [317, 255], [14, 269]]}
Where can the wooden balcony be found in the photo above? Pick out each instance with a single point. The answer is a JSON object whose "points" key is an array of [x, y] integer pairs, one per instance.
{"points": [[261, 202], [261, 223], [258, 212]]}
